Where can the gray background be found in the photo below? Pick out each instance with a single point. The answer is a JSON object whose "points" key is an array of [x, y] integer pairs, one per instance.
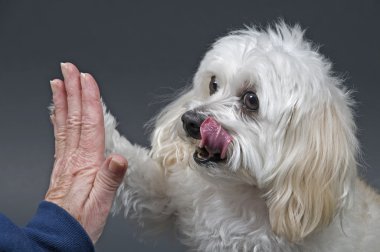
{"points": [[139, 51]]}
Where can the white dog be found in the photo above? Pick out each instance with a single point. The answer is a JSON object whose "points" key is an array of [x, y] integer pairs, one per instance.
{"points": [[259, 155]]}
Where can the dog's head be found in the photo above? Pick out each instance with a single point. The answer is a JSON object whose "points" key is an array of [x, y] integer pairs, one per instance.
{"points": [[265, 110]]}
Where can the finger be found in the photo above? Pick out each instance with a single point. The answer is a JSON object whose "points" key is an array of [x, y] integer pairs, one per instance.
{"points": [[92, 131], [108, 179], [74, 106], [60, 116]]}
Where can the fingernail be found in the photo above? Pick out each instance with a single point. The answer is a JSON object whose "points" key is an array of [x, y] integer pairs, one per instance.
{"points": [[53, 85], [83, 80], [63, 65], [117, 166]]}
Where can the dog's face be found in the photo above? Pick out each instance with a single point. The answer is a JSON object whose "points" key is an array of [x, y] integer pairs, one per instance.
{"points": [[265, 110]]}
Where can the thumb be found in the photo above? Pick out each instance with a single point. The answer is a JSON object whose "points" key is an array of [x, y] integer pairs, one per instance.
{"points": [[107, 180], [109, 177]]}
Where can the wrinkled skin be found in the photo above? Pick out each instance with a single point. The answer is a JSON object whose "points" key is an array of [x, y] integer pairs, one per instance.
{"points": [[83, 180]]}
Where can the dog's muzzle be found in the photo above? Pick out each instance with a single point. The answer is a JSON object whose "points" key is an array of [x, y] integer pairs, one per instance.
{"points": [[214, 139]]}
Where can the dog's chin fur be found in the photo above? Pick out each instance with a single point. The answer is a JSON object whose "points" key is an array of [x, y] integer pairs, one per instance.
{"points": [[289, 182]]}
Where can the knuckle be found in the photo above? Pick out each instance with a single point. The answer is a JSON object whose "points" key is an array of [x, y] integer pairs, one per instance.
{"points": [[108, 182], [60, 135], [74, 120]]}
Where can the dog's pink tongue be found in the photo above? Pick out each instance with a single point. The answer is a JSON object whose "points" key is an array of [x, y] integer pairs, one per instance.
{"points": [[214, 138]]}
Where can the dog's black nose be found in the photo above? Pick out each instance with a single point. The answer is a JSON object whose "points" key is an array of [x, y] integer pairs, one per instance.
{"points": [[192, 122]]}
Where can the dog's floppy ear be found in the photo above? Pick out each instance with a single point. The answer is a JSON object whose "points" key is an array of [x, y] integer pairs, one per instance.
{"points": [[313, 177]]}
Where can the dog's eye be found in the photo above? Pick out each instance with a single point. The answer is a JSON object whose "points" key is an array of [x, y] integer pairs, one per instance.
{"points": [[251, 101], [213, 86]]}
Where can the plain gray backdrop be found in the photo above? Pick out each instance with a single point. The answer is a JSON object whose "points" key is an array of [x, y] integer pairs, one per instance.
{"points": [[140, 51]]}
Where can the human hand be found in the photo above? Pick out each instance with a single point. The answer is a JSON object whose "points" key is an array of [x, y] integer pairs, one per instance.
{"points": [[83, 181]]}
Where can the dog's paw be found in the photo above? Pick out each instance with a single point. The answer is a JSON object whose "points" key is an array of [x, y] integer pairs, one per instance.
{"points": [[110, 129]]}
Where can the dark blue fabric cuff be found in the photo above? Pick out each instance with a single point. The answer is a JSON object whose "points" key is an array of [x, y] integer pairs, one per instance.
{"points": [[13, 239], [54, 229]]}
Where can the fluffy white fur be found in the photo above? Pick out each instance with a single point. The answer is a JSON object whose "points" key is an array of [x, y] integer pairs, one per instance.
{"points": [[290, 180]]}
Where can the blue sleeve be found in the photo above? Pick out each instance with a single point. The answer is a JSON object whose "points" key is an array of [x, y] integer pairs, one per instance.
{"points": [[51, 229]]}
